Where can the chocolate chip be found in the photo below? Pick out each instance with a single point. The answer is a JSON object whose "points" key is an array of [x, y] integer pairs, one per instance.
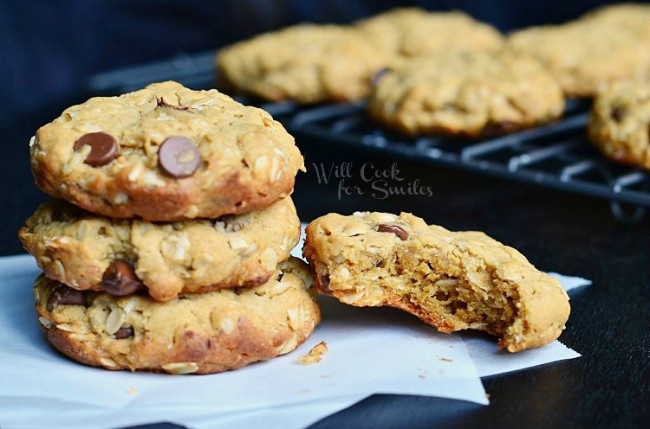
{"points": [[178, 157], [119, 279], [497, 128], [124, 332], [160, 102], [397, 230], [618, 112], [64, 295], [103, 148]]}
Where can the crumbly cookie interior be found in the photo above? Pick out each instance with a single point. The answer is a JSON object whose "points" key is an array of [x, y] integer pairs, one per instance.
{"points": [[431, 289]]}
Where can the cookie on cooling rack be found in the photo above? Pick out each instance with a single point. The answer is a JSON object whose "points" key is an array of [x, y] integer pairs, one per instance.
{"points": [[413, 32], [193, 334], [306, 63], [450, 280], [586, 54], [466, 94], [627, 17], [619, 124], [165, 153]]}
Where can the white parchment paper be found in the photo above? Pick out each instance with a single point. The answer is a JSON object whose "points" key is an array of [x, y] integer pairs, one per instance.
{"points": [[371, 350]]}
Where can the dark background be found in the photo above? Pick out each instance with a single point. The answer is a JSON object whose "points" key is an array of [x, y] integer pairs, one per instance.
{"points": [[50, 49]]}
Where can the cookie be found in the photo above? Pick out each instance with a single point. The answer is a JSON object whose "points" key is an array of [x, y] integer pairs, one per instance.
{"points": [[165, 153], [619, 124], [628, 17], [450, 280], [467, 94], [120, 256], [584, 55], [306, 63], [198, 333], [414, 32]]}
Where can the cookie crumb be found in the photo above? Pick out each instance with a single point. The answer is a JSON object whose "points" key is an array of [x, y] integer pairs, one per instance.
{"points": [[446, 360], [314, 355], [133, 391]]}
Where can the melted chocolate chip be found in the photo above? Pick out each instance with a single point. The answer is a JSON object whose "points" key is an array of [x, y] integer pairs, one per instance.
{"points": [[64, 295], [397, 230], [119, 279], [103, 148], [618, 112], [178, 157], [124, 332], [160, 102]]}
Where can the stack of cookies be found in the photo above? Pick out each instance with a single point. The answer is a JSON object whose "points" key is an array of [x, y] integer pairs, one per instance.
{"points": [[167, 248]]}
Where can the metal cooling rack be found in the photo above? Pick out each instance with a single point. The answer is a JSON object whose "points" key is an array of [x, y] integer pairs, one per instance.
{"points": [[556, 155]]}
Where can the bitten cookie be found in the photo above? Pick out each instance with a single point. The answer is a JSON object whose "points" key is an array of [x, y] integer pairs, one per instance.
{"points": [[450, 280], [619, 124], [414, 32], [198, 333], [165, 153], [306, 63], [469, 94], [585, 55], [90, 252]]}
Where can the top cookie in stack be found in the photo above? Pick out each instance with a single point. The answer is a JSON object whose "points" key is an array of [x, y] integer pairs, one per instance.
{"points": [[165, 153]]}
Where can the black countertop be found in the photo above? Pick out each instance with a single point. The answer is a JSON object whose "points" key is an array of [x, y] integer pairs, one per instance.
{"points": [[609, 324]]}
